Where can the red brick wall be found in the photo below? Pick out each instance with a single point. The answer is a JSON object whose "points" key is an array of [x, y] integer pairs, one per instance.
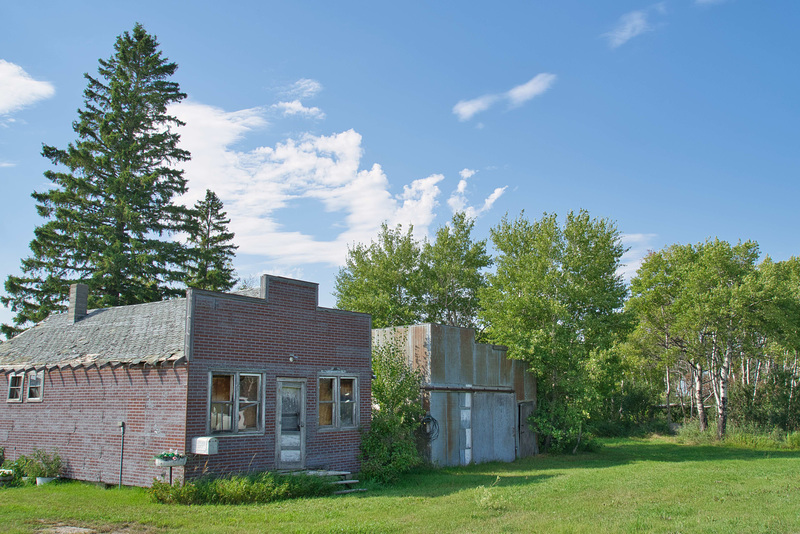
{"points": [[242, 334], [79, 417]]}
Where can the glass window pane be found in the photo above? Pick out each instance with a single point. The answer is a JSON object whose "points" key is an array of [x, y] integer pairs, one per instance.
{"points": [[326, 389], [35, 385], [326, 414], [15, 387], [222, 388], [248, 417], [250, 388], [347, 389], [346, 414], [220, 416]]}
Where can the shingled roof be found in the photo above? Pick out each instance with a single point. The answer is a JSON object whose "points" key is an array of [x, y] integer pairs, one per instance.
{"points": [[151, 333]]}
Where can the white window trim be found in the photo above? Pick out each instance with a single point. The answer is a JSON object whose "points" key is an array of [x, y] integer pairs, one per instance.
{"points": [[234, 431], [336, 423], [40, 376], [21, 387]]}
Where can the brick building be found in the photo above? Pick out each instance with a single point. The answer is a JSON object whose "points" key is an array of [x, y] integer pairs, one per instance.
{"points": [[277, 381]]}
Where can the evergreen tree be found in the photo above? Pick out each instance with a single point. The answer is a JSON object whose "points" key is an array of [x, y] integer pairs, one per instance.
{"points": [[211, 247], [111, 204]]}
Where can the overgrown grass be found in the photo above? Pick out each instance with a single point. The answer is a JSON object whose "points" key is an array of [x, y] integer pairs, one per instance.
{"points": [[739, 436], [631, 485], [257, 488]]}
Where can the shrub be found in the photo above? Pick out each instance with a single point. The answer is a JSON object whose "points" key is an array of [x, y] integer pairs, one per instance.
{"points": [[388, 449], [44, 464], [258, 488], [2, 455]]}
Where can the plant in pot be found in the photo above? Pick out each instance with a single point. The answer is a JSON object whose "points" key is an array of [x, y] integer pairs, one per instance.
{"points": [[45, 466], [170, 459]]}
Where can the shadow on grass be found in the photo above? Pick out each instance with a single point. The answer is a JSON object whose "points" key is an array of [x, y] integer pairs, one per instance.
{"points": [[432, 482]]}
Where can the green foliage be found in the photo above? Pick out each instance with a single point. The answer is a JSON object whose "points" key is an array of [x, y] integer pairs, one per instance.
{"points": [[211, 248], [767, 404], [43, 464], [258, 488], [389, 447], [396, 386], [112, 200], [554, 300], [19, 466], [2, 455], [383, 279], [453, 272], [400, 281]]}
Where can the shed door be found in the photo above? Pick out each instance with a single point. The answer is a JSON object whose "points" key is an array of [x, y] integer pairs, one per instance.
{"points": [[291, 419]]}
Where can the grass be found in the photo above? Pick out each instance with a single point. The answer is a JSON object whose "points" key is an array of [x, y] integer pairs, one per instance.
{"points": [[631, 485]]}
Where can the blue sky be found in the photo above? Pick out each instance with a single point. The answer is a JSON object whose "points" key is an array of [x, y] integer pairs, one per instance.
{"points": [[316, 121]]}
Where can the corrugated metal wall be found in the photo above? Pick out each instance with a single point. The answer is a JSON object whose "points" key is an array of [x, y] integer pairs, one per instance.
{"points": [[474, 393]]}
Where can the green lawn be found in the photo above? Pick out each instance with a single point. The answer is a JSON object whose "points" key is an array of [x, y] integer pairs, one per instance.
{"points": [[651, 485]]}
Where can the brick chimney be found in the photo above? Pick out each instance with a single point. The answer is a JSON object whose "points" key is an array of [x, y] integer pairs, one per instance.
{"points": [[78, 302]]}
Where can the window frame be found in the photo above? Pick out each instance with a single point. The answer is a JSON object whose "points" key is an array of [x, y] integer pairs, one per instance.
{"points": [[40, 377], [337, 402], [237, 403], [20, 388]]}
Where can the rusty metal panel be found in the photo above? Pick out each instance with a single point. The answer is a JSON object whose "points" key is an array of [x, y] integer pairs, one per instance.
{"points": [[466, 345], [452, 429], [505, 369], [527, 439], [518, 375], [438, 354], [451, 341], [504, 416], [481, 364], [438, 409], [493, 368], [530, 385], [494, 427], [419, 350]]}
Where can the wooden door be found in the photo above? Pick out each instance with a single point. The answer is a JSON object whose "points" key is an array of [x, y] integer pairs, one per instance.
{"points": [[291, 421]]}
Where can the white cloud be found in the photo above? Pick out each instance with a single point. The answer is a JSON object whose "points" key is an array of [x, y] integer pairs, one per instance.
{"points": [[255, 184], [639, 246], [466, 109], [295, 107], [629, 26], [466, 174], [535, 87], [458, 198], [516, 96], [304, 88], [18, 89], [7, 164]]}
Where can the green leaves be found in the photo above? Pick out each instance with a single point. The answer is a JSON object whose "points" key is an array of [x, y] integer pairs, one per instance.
{"points": [[110, 210], [401, 281], [211, 251]]}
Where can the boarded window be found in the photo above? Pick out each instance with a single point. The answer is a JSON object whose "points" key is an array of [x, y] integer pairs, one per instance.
{"points": [[338, 406], [236, 397]]}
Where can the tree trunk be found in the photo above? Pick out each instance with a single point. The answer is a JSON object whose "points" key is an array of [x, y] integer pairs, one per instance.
{"points": [[698, 392], [722, 406], [669, 407]]}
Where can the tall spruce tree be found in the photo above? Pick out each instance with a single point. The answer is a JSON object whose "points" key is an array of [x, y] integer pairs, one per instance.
{"points": [[111, 206], [211, 246]]}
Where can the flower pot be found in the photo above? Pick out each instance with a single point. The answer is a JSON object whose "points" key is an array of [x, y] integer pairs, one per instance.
{"points": [[41, 481], [170, 463]]}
